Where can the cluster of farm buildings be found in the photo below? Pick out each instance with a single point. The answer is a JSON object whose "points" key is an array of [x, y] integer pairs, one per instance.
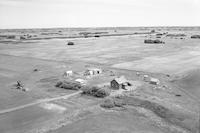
{"points": [[116, 83]]}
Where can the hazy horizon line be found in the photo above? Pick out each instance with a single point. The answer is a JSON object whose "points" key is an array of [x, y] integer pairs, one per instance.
{"points": [[94, 27]]}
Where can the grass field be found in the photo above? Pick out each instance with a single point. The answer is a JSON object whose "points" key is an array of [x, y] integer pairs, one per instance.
{"points": [[123, 55]]}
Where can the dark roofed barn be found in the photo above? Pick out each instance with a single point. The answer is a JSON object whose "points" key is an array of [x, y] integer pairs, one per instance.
{"points": [[119, 83]]}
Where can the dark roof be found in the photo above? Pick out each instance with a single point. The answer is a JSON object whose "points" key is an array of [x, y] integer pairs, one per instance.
{"points": [[121, 80]]}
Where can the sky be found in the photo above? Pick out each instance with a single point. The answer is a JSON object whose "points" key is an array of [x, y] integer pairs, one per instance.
{"points": [[98, 13]]}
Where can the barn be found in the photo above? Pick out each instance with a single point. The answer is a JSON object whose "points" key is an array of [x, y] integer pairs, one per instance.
{"points": [[119, 83]]}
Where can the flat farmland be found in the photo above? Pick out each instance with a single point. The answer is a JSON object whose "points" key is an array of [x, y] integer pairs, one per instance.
{"points": [[127, 52], [175, 63]]}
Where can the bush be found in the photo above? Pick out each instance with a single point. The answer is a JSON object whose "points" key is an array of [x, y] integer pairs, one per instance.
{"points": [[102, 93], [35, 70], [119, 103], [96, 91], [85, 89], [153, 31], [108, 103], [68, 85], [58, 84], [111, 103], [90, 90], [11, 37]]}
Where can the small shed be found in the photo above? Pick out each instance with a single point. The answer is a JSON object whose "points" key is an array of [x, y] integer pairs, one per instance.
{"points": [[146, 78], [70, 43], [119, 83], [137, 73], [68, 73], [154, 81], [149, 41]]}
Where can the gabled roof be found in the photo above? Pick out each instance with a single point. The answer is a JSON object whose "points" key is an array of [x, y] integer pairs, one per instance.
{"points": [[94, 69], [121, 80]]}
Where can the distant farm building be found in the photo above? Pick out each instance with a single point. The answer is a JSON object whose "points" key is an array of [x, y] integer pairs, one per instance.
{"points": [[92, 71], [22, 38], [10, 36], [70, 43], [154, 81], [146, 78], [137, 73], [119, 83], [153, 31], [68, 73], [149, 41], [151, 80], [195, 36]]}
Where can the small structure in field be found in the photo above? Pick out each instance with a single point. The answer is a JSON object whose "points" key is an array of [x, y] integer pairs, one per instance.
{"points": [[11, 36], [149, 41], [138, 73], [159, 34], [146, 78], [70, 43], [35, 70], [22, 38], [119, 83], [20, 86], [92, 71], [176, 35], [68, 73], [81, 81], [195, 36], [154, 81], [96, 35], [153, 31]]}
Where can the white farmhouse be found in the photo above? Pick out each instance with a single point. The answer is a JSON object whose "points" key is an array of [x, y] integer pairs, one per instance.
{"points": [[154, 81]]}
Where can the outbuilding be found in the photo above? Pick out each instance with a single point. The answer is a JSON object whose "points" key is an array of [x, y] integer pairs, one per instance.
{"points": [[70, 43], [93, 71], [154, 81], [119, 83], [68, 73], [146, 78]]}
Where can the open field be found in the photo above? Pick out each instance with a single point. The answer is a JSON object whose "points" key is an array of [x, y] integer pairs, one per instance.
{"points": [[176, 64], [126, 52]]}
